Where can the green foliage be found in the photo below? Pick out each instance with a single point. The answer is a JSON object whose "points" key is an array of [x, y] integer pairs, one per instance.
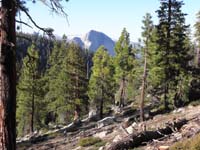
{"points": [[67, 83], [124, 61], [29, 94], [100, 144], [101, 84], [172, 53], [89, 141]]}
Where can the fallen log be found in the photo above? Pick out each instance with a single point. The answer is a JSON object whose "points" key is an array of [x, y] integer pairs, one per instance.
{"points": [[135, 140]]}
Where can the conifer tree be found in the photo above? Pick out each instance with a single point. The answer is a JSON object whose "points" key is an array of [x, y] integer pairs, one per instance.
{"points": [[194, 91], [51, 76], [77, 71], [67, 86], [101, 84], [29, 93], [147, 39], [124, 63], [172, 58]]}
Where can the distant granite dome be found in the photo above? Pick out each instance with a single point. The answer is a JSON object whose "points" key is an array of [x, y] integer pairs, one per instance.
{"points": [[78, 41], [94, 39]]}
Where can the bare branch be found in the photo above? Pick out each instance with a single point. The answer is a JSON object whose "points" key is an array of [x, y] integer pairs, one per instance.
{"points": [[48, 31], [21, 22], [56, 7]]}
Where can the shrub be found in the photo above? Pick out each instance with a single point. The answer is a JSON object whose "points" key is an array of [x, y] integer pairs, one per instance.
{"points": [[99, 144], [195, 103], [89, 141]]}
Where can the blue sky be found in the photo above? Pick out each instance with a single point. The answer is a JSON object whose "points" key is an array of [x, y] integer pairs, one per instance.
{"points": [[108, 16]]}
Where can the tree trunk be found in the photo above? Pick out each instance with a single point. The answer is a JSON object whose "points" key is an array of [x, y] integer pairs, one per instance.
{"points": [[101, 104], [76, 97], [32, 114], [7, 75], [122, 93], [143, 87], [166, 90]]}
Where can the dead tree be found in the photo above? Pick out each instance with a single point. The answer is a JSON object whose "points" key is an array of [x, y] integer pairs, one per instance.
{"points": [[135, 140]]}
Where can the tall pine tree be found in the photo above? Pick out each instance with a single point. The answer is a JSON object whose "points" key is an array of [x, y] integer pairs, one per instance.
{"points": [[172, 58], [101, 84], [124, 64], [29, 93], [147, 40]]}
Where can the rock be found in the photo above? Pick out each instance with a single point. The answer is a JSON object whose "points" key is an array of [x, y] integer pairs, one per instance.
{"points": [[116, 109], [101, 148], [78, 148], [101, 134], [157, 117], [190, 107], [106, 121], [163, 147], [178, 136], [180, 110], [92, 113], [117, 138], [132, 128]]}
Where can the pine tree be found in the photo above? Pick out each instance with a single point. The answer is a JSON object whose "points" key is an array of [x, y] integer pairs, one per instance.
{"points": [[194, 91], [77, 71], [124, 63], [55, 88], [67, 81], [101, 84], [147, 39], [172, 58], [29, 92]]}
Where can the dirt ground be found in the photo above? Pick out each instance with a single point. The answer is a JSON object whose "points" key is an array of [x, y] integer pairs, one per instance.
{"points": [[114, 132]]}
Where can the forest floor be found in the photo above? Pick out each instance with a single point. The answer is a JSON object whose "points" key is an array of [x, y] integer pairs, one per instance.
{"points": [[115, 130]]}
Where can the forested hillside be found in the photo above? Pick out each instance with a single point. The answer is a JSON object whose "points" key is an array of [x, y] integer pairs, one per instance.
{"points": [[59, 82]]}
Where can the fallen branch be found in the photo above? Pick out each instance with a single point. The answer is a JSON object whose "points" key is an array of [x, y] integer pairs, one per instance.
{"points": [[135, 140]]}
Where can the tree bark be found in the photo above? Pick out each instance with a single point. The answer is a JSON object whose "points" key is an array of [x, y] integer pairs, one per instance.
{"points": [[143, 86], [122, 93], [101, 103], [32, 113], [7, 75]]}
